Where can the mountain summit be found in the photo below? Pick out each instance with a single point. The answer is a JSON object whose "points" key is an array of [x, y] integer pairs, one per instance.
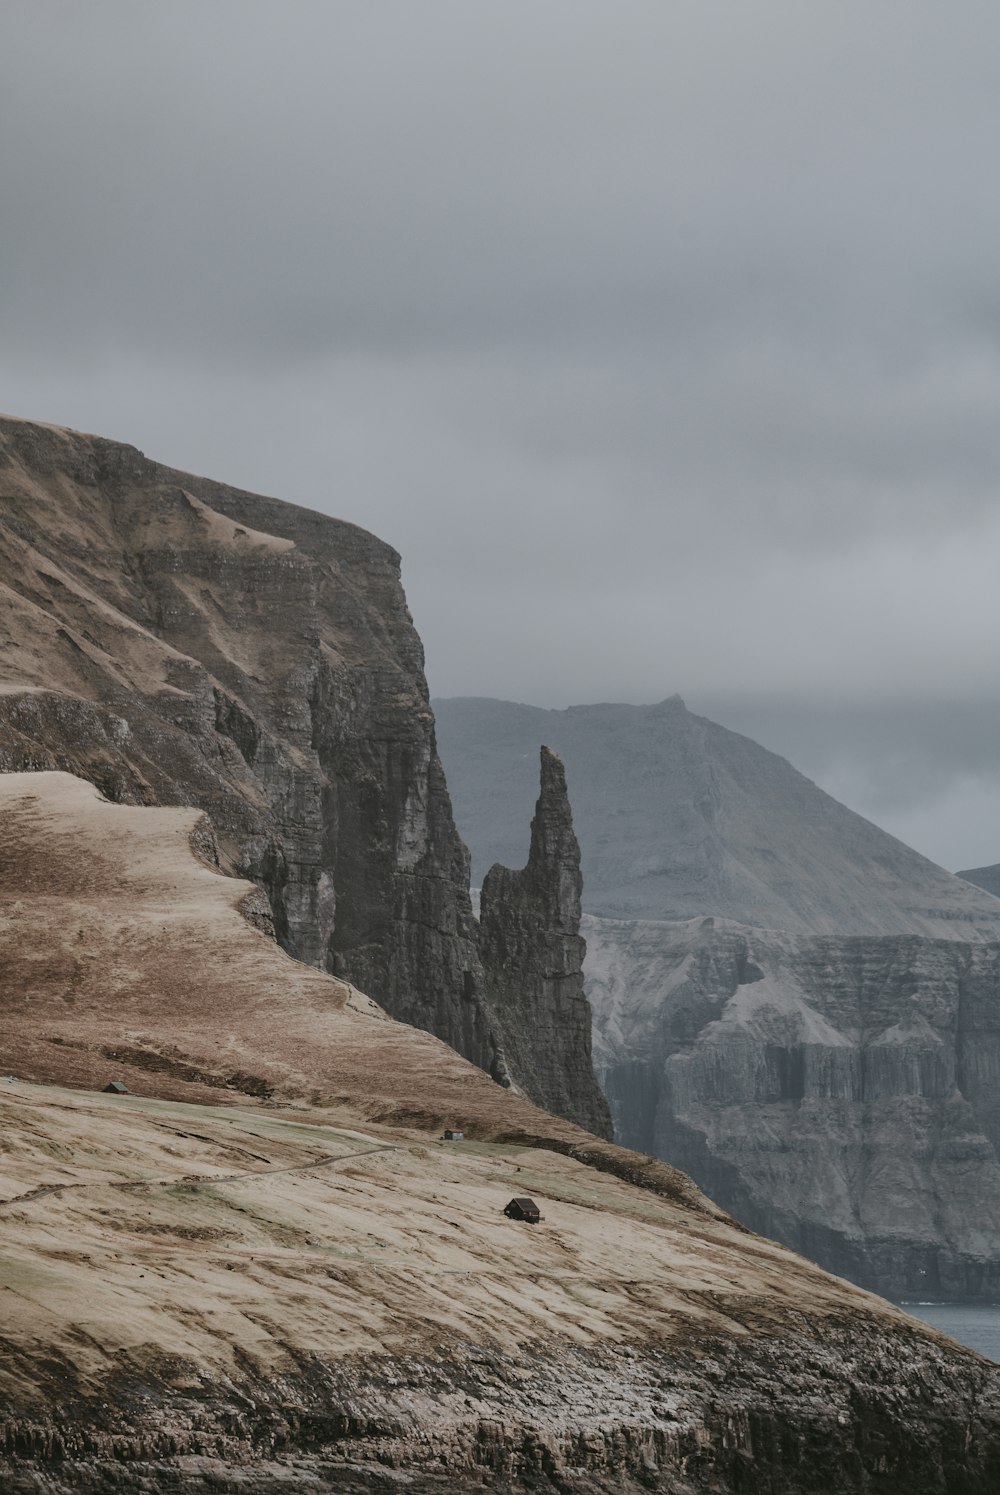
{"points": [[678, 817]]}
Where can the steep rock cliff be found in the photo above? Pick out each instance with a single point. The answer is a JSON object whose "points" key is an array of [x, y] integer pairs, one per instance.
{"points": [[532, 954], [840, 1095], [834, 1406], [178, 641]]}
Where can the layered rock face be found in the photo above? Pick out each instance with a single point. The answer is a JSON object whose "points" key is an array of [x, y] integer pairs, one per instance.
{"points": [[532, 953], [840, 1095], [177, 641]]}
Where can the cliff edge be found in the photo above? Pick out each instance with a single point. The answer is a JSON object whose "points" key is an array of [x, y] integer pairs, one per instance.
{"points": [[180, 642], [839, 1095]]}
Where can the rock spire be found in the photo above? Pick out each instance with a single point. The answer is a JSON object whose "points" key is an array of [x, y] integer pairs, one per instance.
{"points": [[532, 954]]}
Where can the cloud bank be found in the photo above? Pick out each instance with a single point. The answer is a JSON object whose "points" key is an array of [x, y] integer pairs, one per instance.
{"points": [[662, 340]]}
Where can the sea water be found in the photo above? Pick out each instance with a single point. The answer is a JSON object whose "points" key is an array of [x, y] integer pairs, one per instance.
{"points": [[976, 1325]]}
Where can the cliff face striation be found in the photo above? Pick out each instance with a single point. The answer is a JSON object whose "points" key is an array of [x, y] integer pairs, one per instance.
{"points": [[532, 953], [265, 1270], [840, 1095], [177, 641]]}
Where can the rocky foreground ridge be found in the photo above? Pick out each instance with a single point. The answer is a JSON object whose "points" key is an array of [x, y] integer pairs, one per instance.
{"points": [[832, 1079], [265, 1271], [180, 642]]}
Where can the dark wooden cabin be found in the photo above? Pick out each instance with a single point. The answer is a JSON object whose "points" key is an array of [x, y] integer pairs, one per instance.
{"points": [[116, 1088], [523, 1209]]}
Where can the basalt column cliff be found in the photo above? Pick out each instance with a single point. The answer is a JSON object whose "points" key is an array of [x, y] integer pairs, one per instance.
{"points": [[177, 641]]}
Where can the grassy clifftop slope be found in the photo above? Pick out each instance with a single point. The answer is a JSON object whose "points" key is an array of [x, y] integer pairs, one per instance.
{"points": [[266, 1271]]}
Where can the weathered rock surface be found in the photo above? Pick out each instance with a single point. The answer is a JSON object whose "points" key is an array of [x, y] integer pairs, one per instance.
{"points": [[315, 1292], [841, 1095], [769, 1416], [177, 641], [679, 817], [532, 954]]}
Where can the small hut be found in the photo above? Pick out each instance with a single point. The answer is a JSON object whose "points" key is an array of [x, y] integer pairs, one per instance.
{"points": [[115, 1087], [523, 1209], [451, 1135]]}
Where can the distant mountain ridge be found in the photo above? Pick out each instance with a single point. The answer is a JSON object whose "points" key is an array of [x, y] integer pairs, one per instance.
{"points": [[679, 817], [987, 878]]}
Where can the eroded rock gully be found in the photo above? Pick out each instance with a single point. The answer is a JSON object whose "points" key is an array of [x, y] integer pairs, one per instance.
{"points": [[178, 641]]}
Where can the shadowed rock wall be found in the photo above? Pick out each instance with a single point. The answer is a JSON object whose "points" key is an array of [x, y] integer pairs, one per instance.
{"points": [[987, 878]]}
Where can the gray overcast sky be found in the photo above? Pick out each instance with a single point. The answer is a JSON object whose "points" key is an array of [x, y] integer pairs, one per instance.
{"points": [[661, 337]]}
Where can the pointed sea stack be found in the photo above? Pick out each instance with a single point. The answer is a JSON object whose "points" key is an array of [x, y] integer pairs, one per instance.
{"points": [[532, 954]]}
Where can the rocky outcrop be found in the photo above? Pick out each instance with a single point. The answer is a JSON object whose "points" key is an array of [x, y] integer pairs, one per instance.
{"points": [[178, 641], [762, 1415], [839, 1095], [532, 954]]}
